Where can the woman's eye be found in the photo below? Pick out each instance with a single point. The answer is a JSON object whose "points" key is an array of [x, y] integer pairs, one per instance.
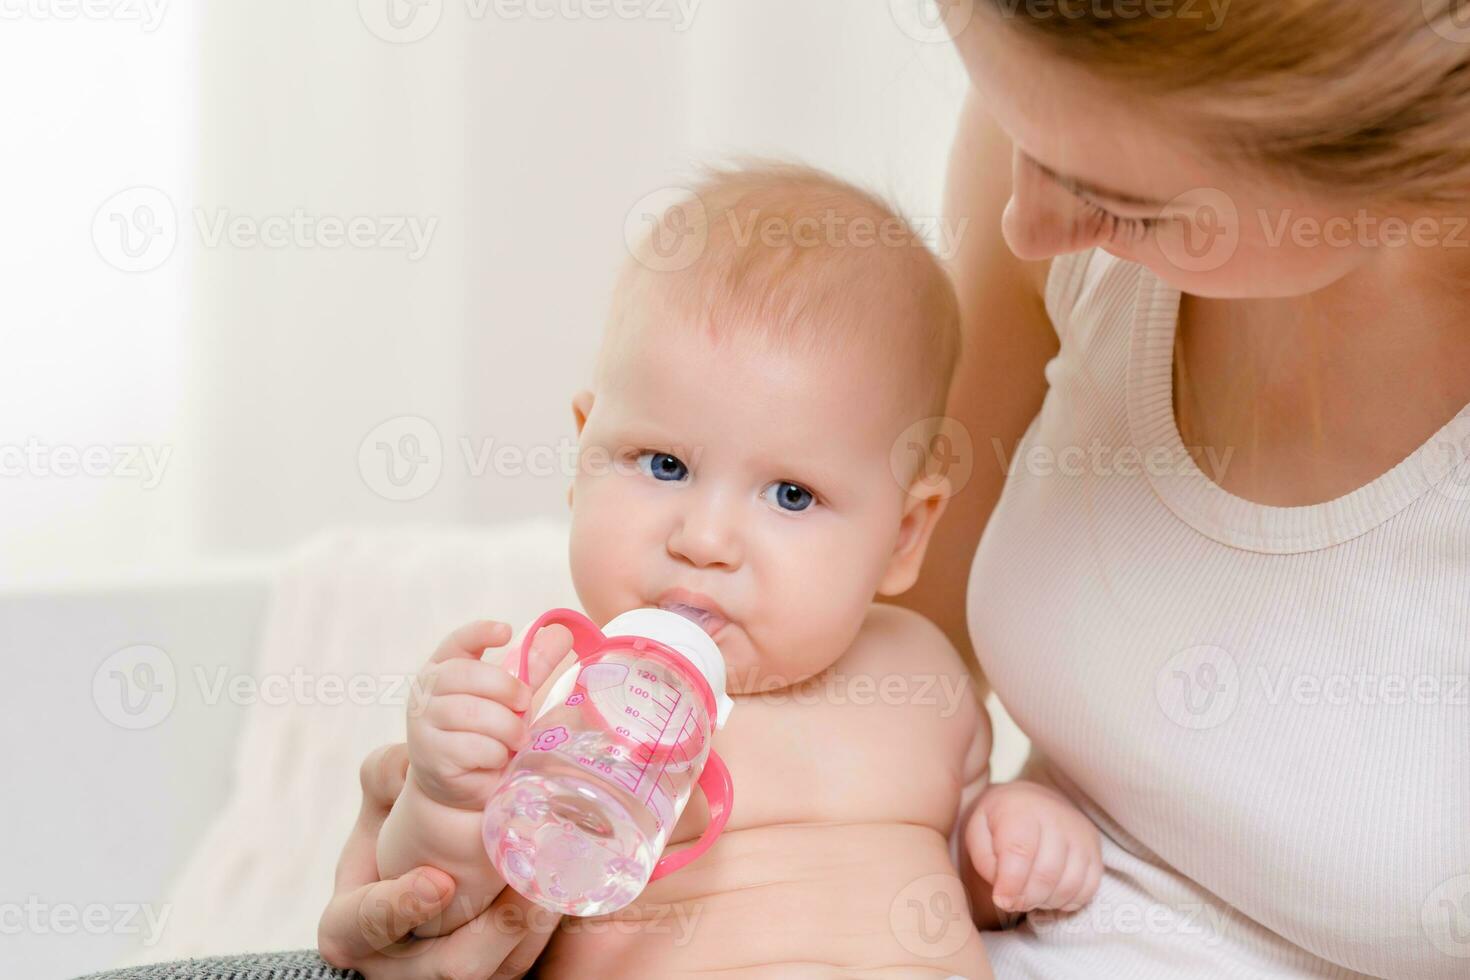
{"points": [[1116, 228], [790, 496], [662, 466]]}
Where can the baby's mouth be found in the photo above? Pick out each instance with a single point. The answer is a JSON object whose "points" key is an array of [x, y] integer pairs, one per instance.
{"points": [[703, 618]]}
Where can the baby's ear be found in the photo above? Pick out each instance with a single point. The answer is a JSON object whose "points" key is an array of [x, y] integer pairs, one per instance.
{"points": [[927, 498], [582, 407]]}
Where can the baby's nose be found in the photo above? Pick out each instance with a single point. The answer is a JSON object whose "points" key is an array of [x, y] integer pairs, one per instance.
{"points": [[708, 534]]}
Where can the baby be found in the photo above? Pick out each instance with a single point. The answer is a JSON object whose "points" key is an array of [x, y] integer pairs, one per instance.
{"points": [[754, 455]]}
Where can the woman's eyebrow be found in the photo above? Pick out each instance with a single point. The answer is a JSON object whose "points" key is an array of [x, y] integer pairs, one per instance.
{"points": [[1093, 190]]}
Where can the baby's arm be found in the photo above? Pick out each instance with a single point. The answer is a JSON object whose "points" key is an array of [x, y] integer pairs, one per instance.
{"points": [[976, 776], [463, 727]]}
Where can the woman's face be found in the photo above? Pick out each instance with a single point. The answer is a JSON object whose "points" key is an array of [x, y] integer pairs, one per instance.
{"points": [[1092, 169]]}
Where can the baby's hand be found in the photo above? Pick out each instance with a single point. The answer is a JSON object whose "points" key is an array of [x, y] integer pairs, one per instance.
{"points": [[463, 724], [1036, 849]]}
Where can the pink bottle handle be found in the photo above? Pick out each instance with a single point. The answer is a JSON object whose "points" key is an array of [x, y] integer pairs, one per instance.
{"points": [[719, 789], [586, 637]]}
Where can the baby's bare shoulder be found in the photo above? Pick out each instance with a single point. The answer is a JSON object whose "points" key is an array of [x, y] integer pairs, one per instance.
{"points": [[913, 665], [899, 701], [894, 638]]}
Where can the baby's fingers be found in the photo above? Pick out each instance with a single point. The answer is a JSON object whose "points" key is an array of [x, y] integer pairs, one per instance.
{"points": [[1068, 896], [470, 752], [1017, 843], [1046, 870], [475, 677], [1094, 879], [472, 639], [467, 713], [981, 845], [549, 647]]}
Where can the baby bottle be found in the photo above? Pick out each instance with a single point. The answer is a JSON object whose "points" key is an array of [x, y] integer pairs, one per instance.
{"points": [[579, 822]]}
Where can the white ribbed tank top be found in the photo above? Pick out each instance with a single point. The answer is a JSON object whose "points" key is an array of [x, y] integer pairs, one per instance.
{"points": [[1265, 709]]}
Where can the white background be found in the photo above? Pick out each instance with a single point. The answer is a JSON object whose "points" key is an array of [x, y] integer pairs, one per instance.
{"points": [[259, 370]]}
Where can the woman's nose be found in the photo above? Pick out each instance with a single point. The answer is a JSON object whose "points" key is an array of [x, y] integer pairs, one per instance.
{"points": [[1041, 219], [707, 534]]}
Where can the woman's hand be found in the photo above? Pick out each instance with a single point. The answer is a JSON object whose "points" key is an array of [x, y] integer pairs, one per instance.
{"points": [[1035, 848], [367, 923]]}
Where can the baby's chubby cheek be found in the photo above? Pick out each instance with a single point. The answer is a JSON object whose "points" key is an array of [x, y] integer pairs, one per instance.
{"points": [[601, 562], [787, 647]]}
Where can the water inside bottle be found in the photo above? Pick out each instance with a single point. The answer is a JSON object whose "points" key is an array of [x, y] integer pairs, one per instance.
{"points": [[574, 844]]}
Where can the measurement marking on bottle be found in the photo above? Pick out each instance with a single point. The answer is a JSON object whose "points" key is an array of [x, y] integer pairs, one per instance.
{"points": [[663, 769], [659, 737]]}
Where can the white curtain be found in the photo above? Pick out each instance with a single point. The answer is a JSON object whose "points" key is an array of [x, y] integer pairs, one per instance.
{"points": [[98, 114]]}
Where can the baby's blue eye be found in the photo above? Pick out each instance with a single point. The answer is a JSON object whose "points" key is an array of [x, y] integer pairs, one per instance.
{"points": [[791, 496], [662, 466]]}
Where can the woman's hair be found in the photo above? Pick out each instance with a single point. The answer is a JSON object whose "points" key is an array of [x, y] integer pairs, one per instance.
{"points": [[1366, 98]]}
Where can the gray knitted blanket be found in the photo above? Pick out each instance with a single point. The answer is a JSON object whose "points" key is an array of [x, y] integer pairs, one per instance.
{"points": [[302, 964]]}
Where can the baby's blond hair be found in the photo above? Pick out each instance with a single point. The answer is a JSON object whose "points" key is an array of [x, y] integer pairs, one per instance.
{"points": [[796, 258]]}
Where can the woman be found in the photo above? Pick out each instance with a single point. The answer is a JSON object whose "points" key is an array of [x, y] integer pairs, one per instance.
{"points": [[1214, 650], [1216, 277]]}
